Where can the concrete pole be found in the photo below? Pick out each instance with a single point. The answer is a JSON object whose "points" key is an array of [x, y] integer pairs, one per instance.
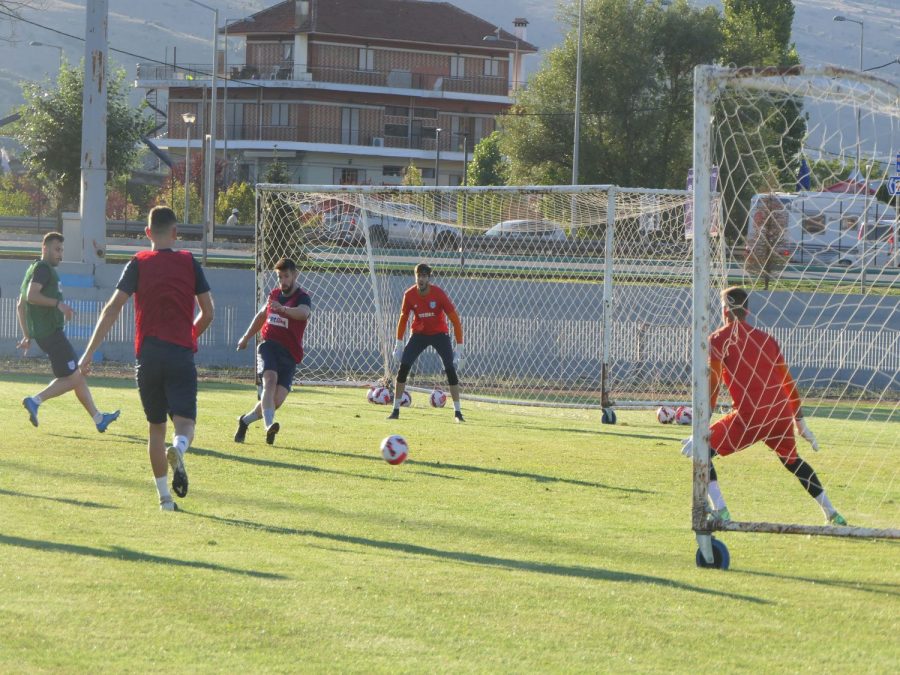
{"points": [[93, 135]]}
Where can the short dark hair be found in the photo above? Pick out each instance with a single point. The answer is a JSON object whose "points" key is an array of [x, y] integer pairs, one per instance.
{"points": [[423, 269], [50, 237], [286, 264], [735, 299], [161, 218]]}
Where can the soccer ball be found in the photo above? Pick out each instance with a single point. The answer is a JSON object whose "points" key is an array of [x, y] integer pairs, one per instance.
{"points": [[380, 395], [665, 414], [405, 400], [394, 449], [684, 415], [373, 394], [438, 399]]}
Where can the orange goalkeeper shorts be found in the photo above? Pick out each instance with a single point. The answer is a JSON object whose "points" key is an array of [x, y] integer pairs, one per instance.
{"points": [[735, 432]]}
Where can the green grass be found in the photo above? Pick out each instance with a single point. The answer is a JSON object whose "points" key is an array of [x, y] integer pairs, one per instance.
{"points": [[526, 540]]}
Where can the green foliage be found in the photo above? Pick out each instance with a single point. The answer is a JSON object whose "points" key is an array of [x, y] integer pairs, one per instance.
{"points": [[277, 172], [13, 201], [240, 196], [173, 196], [412, 175], [488, 165], [758, 33], [636, 97], [768, 241], [50, 130]]}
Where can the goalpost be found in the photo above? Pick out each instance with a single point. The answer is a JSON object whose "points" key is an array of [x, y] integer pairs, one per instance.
{"points": [[800, 154], [569, 296]]}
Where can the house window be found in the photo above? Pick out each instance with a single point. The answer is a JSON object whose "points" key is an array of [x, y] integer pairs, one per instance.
{"points": [[425, 113], [396, 111], [457, 66], [366, 58], [393, 171], [279, 115], [814, 224], [492, 67], [348, 176], [350, 126], [427, 172], [396, 130]]}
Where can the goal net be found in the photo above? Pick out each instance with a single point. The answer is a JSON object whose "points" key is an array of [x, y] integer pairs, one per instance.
{"points": [[803, 161], [569, 296]]}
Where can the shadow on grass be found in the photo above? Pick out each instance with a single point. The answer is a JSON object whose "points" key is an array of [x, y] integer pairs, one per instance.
{"points": [[879, 588], [215, 454], [61, 500], [128, 555], [577, 572], [606, 431], [536, 477]]}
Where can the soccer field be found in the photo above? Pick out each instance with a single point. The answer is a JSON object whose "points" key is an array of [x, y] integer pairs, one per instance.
{"points": [[525, 540]]}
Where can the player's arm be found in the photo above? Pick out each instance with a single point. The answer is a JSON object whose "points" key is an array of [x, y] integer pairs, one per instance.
{"points": [[255, 326], [38, 299], [25, 342], [715, 381], [299, 313], [453, 317], [205, 315], [108, 316], [404, 319]]}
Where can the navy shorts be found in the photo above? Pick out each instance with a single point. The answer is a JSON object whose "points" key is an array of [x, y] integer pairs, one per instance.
{"points": [[418, 343], [272, 356], [62, 356], [167, 381]]}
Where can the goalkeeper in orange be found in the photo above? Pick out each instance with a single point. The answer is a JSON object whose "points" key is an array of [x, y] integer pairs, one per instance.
{"points": [[431, 308], [766, 403]]}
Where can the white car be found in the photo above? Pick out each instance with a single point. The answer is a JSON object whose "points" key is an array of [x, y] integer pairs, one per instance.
{"points": [[531, 230], [397, 224]]}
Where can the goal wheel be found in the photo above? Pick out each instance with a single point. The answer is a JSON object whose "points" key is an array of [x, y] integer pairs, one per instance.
{"points": [[721, 557], [609, 416]]}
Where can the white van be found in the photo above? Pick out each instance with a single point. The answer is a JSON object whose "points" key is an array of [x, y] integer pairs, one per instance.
{"points": [[825, 227], [397, 224]]}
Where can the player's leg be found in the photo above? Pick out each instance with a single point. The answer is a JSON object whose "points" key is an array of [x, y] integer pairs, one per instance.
{"points": [[784, 443], [727, 435], [101, 419], [181, 397], [286, 368], [444, 349], [149, 376], [63, 362], [415, 346]]}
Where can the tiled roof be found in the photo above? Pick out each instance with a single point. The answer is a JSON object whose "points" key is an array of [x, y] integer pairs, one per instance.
{"points": [[435, 23]]}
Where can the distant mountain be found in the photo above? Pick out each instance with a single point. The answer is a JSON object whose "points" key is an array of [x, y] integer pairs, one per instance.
{"points": [[153, 30]]}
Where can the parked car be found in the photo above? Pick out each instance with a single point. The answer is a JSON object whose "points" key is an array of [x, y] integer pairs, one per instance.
{"points": [[536, 230], [396, 223]]}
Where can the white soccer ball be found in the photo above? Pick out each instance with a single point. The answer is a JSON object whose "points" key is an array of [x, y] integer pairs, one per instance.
{"points": [[373, 393], [380, 395], [684, 415], [665, 414], [438, 399], [405, 400], [394, 449]]}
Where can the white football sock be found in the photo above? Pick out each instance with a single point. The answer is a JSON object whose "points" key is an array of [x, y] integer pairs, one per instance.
{"points": [[456, 406], [37, 399], [715, 494], [98, 417], [250, 417], [162, 487], [268, 416], [825, 503], [180, 442]]}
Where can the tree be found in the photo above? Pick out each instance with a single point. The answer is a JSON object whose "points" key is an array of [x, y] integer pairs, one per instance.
{"points": [[488, 165], [412, 175], [636, 97], [50, 131], [13, 200], [277, 172], [240, 196], [767, 243]]}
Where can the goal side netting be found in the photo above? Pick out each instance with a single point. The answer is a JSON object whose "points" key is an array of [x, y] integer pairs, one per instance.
{"points": [[568, 296], [795, 166]]}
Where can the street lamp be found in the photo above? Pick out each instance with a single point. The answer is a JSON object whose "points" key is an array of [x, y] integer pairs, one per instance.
{"points": [[249, 19], [189, 119], [861, 39], [577, 133], [437, 155], [465, 159], [209, 212], [35, 43]]}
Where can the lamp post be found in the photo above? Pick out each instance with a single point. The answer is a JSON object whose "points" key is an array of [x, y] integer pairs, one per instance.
{"points": [[35, 43], [209, 212], [189, 119], [437, 155], [861, 40], [465, 159], [249, 19], [577, 132]]}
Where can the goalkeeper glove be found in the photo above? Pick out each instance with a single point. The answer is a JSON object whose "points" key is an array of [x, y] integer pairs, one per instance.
{"points": [[457, 355], [687, 447], [398, 350], [806, 433]]}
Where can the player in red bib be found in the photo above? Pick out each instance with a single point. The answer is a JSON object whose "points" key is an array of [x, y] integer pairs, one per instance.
{"points": [[431, 308], [283, 321], [167, 286], [766, 402]]}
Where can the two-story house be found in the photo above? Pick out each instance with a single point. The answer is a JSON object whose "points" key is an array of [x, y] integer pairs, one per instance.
{"points": [[347, 91]]}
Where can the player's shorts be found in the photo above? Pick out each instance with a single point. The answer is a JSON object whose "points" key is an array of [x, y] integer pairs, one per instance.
{"points": [[418, 343], [167, 380], [735, 432], [272, 356], [62, 356]]}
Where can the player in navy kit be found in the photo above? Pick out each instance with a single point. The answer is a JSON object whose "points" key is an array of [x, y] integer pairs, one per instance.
{"points": [[166, 284], [283, 321]]}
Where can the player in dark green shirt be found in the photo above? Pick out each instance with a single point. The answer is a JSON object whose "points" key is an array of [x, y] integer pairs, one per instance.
{"points": [[42, 316]]}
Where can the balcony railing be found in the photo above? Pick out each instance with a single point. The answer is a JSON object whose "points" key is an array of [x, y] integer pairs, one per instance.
{"points": [[395, 79]]}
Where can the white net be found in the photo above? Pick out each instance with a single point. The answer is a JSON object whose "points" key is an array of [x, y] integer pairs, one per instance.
{"points": [[568, 296], [804, 160]]}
